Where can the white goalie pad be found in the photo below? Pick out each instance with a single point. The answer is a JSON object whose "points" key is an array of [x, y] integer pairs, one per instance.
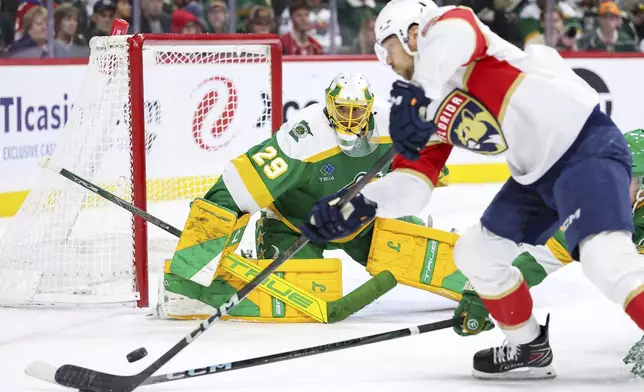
{"points": [[179, 307]]}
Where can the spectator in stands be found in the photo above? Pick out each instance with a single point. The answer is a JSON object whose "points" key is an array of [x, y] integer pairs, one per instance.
{"points": [[320, 19], [153, 19], [244, 9], [124, 11], [591, 17], [186, 22], [608, 37], [564, 37], [102, 18], [66, 32], [351, 16], [364, 42], [493, 14], [21, 11], [299, 41], [261, 20], [33, 41], [85, 9], [217, 17], [638, 23]]}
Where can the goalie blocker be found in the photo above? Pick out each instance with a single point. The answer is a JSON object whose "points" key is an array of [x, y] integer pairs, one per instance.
{"points": [[302, 290]]}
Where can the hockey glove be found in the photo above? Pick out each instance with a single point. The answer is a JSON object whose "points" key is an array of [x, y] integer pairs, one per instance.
{"points": [[474, 315], [327, 222], [409, 131]]}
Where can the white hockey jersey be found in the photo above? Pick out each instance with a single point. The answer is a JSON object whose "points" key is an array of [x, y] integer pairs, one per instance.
{"points": [[489, 97]]}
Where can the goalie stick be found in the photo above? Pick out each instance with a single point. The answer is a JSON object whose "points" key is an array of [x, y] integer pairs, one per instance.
{"points": [[295, 354], [93, 381]]}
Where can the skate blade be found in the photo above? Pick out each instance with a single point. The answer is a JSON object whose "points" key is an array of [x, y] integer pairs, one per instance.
{"points": [[540, 373]]}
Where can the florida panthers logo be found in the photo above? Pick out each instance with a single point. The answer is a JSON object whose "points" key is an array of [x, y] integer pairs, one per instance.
{"points": [[466, 123]]}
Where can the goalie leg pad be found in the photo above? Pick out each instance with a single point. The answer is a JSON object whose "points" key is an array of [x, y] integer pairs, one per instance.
{"points": [[296, 293], [183, 299], [210, 233], [417, 256]]}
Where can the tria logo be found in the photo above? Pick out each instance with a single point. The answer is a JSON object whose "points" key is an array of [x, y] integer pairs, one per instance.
{"points": [[326, 171]]}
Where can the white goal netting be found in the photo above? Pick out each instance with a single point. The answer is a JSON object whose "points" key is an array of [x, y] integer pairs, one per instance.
{"points": [[204, 104]]}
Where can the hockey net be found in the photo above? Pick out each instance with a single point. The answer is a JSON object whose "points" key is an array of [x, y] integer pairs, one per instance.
{"points": [[156, 119]]}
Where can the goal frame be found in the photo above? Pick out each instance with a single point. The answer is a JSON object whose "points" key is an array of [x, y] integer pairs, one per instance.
{"points": [[135, 45]]}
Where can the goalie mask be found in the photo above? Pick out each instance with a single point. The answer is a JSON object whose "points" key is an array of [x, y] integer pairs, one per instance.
{"points": [[349, 101]]}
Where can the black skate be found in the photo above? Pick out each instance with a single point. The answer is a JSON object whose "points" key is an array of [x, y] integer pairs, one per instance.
{"points": [[525, 361]]}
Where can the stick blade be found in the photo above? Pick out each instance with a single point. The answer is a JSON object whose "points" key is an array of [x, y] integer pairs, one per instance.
{"points": [[42, 371], [81, 378]]}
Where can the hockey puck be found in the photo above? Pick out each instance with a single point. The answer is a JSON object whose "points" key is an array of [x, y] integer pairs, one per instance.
{"points": [[137, 354]]}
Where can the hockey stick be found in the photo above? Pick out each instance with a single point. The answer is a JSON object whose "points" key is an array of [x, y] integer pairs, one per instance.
{"points": [[91, 380], [300, 353], [336, 311], [303, 352]]}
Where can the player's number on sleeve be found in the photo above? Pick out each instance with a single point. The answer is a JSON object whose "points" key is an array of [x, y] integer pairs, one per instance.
{"points": [[273, 165]]}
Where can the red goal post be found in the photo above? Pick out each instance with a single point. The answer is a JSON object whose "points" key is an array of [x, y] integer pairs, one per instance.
{"points": [[136, 44]]}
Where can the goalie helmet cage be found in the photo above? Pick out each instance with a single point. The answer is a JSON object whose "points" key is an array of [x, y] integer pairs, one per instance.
{"points": [[156, 119]]}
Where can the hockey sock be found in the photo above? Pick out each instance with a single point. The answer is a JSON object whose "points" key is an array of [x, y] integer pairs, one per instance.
{"points": [[513, 313], [635, 306]]}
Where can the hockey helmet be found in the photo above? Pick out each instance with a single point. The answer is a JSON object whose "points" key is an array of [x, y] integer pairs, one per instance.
{"points": [[349, 101], [395, 19]]}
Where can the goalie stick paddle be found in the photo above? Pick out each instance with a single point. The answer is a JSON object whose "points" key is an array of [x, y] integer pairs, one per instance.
{"points": [[89, 380]]}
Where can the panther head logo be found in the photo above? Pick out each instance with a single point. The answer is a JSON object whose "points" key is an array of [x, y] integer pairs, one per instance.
{"points": [[474, 132], [465, 122]]}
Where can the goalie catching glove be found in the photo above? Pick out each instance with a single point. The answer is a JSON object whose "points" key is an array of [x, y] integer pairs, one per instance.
{"points": [[328, 222]]}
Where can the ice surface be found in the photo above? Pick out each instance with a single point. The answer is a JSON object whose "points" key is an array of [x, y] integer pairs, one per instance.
{"points": [[589, 336]]}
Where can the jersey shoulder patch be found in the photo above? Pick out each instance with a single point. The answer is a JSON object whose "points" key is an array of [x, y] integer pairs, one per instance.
{"points": [[430, 18], [307, 134], [465, 122]]}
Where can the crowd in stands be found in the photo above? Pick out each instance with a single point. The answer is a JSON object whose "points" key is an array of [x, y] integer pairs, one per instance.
{"points": [[305, 26]]}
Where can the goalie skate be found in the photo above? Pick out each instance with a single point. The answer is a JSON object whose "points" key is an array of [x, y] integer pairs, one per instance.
{"points": [[523, 362]]}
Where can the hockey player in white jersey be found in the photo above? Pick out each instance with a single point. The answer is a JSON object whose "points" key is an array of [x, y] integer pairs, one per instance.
{"points": [[570, 167]]}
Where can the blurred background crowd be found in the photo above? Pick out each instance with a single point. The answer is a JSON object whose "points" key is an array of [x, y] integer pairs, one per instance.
{"points": [[63, 28]]}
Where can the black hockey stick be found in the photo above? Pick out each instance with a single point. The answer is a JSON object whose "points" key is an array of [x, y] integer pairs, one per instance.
{"points": [[303, 352], [93, 381], [109, 196]]}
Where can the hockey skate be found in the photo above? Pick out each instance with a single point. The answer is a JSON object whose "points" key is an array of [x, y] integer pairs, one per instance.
{"points": [[636, 357], [523, 362]]}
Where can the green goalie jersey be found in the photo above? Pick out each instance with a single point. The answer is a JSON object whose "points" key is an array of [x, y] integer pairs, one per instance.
{"points": [[302, 162]]}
